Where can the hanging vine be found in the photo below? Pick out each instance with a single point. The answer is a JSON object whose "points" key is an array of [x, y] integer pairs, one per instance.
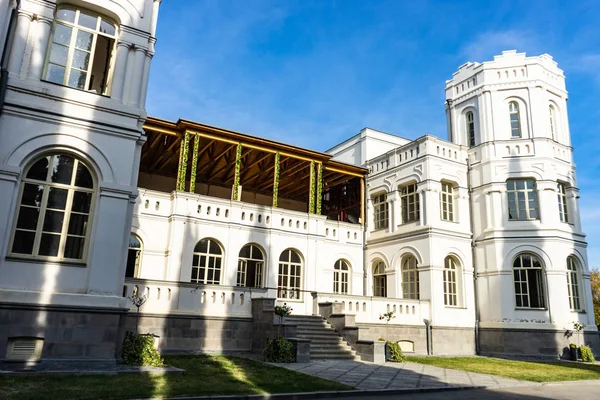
{"points": [[194, 164], [183, 159], [311, 191], [276, 180], [319, 187], [236, 179]]}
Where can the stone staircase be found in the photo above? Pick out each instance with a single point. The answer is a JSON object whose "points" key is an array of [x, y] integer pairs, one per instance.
{"points": [[326, 343]]}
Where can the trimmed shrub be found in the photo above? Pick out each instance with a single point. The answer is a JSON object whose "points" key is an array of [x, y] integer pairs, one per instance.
{"points": [[280, 351], [395, 352], [139, 350], [586, 354]]}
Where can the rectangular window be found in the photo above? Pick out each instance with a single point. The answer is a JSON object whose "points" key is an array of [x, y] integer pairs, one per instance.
{"points": [[522, 199], [562, 203], [381, 209], [447, 202], [410, 203]]}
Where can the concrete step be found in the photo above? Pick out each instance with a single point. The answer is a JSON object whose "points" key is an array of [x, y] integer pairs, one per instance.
{"points": [[334, 357], [316, 334], [327, 340]]}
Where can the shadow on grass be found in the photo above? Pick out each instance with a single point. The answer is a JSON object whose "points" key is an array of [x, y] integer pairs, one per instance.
{"points": [[205, 375]]}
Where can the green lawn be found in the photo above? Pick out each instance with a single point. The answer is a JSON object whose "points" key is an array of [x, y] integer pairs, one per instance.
{"points": [[525, 370], [205, 375]]}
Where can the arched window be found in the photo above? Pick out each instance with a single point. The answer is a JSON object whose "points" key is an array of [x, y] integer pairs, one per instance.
{"points": [[379, 279], [410, 278], [290, 275], [80, 53], [562, 203], [451, 282], [207, 261], [522, 199], [470, 128], [55, 210], [134, 257], [250, 266], [529, 282], [552, 113], [447, 202], [341, 272], [515, 119], [573, 282]]}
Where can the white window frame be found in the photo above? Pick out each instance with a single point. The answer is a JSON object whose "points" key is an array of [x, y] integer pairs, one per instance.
{"points": [[259, 268], [522, 284], [573, 284], [43, 208], [410, 278], [470, 121], [138, 256], [289, 278], [447, 198], [520, 198], [341, 277], [212, 262], [380, 211], [563, 208], [515, 118], [379, 279], [452, 279], [75, 28], [409, 197], [552, 112]]}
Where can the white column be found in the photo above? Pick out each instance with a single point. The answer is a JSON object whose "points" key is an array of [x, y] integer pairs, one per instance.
{"points": [[145, 76], [393, 200], [369, 218], [547, 203], [573, 208], [5, 15], [40, 46], [138, 68], [118, 81], [17, 51]]}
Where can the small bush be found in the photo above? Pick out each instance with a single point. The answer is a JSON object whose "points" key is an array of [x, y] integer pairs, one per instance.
{"points": [[280, 351], [586, 354], [395, 352], [381, 339], [139, 350]]}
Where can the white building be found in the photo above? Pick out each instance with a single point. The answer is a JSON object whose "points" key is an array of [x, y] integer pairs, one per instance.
{"points": [[475, 244]]}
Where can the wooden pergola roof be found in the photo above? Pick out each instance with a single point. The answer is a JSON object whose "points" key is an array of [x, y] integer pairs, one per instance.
{"points": [[217, 149]]}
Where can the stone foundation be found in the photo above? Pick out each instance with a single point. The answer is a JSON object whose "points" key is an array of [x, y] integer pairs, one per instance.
{"points": [[532, 343], [70, 334]]}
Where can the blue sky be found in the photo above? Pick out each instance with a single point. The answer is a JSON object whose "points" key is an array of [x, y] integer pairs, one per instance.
{"points": [[313, 73]]}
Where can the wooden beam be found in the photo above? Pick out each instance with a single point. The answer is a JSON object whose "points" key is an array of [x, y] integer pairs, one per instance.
{"points": [[217, 158], [255, 162], [166, 155]]}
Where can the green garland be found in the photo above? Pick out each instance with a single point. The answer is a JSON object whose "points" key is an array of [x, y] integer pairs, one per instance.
{"points": [[238, 164], [276, 180], [183, 159], [319, 186], [194, 164], [311, 191]]}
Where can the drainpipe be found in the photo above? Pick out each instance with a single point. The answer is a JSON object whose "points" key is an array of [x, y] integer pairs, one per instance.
{"points": [[475, 291], [10, 32], [428, 335], [449, 119]]}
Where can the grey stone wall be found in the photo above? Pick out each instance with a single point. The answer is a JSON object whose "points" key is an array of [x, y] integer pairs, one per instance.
{"points": [[193, 333], [451, 341], [532, 343], [394, 333], [73, 333]]}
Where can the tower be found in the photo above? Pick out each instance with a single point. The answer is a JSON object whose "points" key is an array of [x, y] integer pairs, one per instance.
{"points": [[74, 78], [532, 274]]}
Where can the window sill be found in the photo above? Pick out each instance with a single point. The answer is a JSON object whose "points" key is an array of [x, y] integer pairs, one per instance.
{"points": [[79, 90], [447, 220], [530, 309], [66, 263], [455, 307], [523, 219]]}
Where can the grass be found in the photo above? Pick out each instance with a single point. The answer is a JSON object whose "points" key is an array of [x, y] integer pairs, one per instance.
{"points": [[535, 371], [205, 375]]}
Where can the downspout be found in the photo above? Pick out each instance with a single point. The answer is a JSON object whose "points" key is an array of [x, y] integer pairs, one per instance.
{"points": [[10, 32], [449, 119], [475, 291]]}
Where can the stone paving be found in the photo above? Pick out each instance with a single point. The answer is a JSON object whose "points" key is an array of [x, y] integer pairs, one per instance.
{"points": [[368, 376]]}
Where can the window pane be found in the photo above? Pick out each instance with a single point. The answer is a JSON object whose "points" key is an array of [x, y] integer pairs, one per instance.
{"points": [[295, 257], [77, 224], [28, 218], [62, 34], [134, 243], [77, 79], [23, 243], [214, 248], [49, 245], [107, 27], [53, 221], [84, 41], [81, 202], [80, 60], [57, 198], [83, 177], [202, 246], [59, 54], [66, 15], [32, 195], [62, 170], [89, 21], [245, 252], [74, 247], [55, 73]]}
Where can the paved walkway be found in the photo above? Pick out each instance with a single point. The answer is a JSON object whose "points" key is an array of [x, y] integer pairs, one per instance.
{"points": [[369, 376]]}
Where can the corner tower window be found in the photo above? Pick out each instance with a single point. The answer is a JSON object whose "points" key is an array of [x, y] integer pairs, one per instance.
{"points": [[552, 114], [515, 119], [573, 282], [522, 201], [447, 201], [562, 203], [470, 128], [80, 53], [55, 210], [529, 282]]}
